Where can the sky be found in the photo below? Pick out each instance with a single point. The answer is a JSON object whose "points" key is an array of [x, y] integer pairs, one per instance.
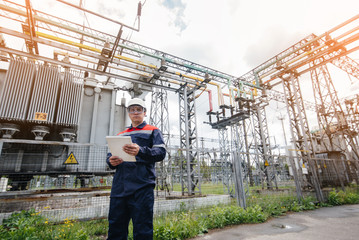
{"points": [[235, 36], [232, 36]]}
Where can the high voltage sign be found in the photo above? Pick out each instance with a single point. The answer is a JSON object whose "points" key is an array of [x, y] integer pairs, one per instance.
{"points": [[71, 159]]}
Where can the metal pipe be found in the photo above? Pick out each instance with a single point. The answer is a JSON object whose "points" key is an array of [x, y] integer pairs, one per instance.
{"points": [[309, 42], [18, 81], [83, 46], [38, 18], [129, 70], [94, 117], [5, 94], [220, 95], [51, 82], [71, 91], [80, 88], [296, 66], [107, 74], [12, 87], [220, 98], [56, 79], [78, 123], [351, 39], [112, 112]]}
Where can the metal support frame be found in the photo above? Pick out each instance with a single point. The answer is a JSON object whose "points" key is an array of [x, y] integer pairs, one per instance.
{"points": [[248, 132], [300, 130], [226, 172], [30, 29], [331, 118], [238, 147], [348, 65], [159, 117], [261, 133], [254, 146], [190, 166], [329, 112], [352, 112]]}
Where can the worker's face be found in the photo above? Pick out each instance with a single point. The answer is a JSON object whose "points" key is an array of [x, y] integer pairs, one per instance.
{"points": [[136, 114]]}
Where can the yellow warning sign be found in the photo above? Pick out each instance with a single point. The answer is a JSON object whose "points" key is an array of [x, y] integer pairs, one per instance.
{"points": [[303, 165], [266, 163], [71, 159], [40, 116]]}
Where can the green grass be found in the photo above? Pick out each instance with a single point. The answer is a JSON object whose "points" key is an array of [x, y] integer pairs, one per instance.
{"points": [[178, 225], [218, 188], [206, 188]]}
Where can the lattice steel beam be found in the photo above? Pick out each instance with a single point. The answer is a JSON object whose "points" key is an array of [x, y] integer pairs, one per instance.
{"points": [[159, 117], [300, 130], [225, 162], [266, 160], [191, 181]]}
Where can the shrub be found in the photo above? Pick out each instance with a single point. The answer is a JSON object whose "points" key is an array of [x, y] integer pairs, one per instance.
{"points": [[178, 226], [22, 225], [351, 198], [336, 198], [308, 203], [31, 225], [255, 215]]}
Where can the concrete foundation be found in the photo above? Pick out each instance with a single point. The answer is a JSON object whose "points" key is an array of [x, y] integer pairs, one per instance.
{"points": [[91, 205]]}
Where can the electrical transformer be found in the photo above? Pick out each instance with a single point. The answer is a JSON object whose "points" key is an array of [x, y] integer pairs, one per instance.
{"points": [[53, 122]]}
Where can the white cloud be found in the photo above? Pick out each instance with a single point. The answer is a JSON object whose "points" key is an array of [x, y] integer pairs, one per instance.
{"points": [[233, 36]]}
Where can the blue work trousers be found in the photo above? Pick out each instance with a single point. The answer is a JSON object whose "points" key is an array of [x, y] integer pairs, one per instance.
{"points": [[139, 208]]}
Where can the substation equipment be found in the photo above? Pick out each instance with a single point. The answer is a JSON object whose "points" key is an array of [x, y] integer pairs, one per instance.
{"points": [[52, 107]]}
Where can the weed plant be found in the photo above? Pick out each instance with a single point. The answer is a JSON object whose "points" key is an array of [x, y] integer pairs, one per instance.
{"points": [[183, 224], [341, 197]]}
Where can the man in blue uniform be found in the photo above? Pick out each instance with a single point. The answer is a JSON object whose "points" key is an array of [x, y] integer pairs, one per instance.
{"points": [[132, 195]]}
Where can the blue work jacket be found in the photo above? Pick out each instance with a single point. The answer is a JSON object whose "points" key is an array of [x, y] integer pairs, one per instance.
{"points": [[131, 176]]}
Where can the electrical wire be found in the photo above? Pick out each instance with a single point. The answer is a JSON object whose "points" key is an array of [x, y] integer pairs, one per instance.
{"points": [[128, 38]]}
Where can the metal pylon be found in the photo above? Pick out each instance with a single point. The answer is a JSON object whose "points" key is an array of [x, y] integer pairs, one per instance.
{"points": [[331, 118], [238, 148], [329, 111], [352, 112], [300, 131], [190, 166], [262, 143], [249, 144], [226, 172], [159, 117]]}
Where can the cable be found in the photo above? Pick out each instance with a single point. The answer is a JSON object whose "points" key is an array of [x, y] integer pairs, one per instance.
{"points": [[128, 38]]}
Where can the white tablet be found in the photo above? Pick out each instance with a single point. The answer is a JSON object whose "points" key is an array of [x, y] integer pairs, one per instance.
{"points": [[115, 144]]}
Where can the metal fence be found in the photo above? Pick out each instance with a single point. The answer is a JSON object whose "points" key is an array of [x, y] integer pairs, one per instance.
{"points": [[72, 180]]}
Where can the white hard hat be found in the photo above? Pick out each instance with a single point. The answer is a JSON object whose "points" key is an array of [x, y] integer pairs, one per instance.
{"points": [[136, 101]]}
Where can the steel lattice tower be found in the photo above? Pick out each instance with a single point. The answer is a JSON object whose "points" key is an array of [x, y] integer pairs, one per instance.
{"points": [[300, 130], [352, 112], [262, 143], [159, 117], [249, 141], [238, 147], [226, 171], [332, 121], [190, 164]]}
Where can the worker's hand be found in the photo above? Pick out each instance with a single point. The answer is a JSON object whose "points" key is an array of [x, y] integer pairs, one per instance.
{"points": [[131, 149], [114, 161]]}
